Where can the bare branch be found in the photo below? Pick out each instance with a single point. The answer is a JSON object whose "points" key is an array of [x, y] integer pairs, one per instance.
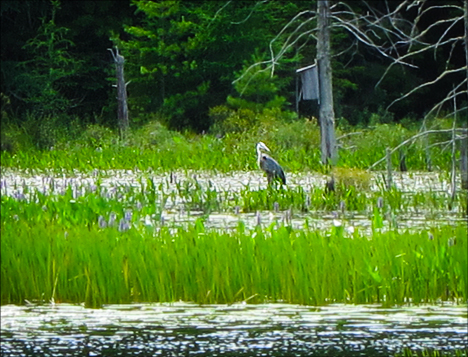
{"points": [[247, 71], [286, 44], [452, 24], [454, 93], [414, 137], [387, 32], [349, 134], [250, 14], [408, 55], [220, 9], [443, 74]]}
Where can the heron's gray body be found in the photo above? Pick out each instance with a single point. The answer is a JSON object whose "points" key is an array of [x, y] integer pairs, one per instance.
{"points": [[269, 165]]}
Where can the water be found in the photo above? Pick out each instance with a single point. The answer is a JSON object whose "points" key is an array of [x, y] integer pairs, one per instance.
{"points": [[175, 210], [183, 329], [232, 181]]}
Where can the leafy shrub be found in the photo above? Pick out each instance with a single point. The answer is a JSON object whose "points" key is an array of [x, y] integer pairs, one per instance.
{"points": [[287, 133], [45, 132], [369, 145], [154, 133], [232, 121], [219, 114], [98, 136]]}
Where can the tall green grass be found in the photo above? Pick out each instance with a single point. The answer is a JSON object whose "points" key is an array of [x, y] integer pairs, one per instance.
{"points": [[295, 145], [42, 261], [428, 352]]}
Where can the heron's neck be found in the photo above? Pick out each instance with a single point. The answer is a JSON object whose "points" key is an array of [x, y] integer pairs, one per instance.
{"points": [[259, 151]]}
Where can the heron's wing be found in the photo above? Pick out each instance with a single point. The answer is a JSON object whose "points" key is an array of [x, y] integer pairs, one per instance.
{"points": [[281, 175], [272, 168]]}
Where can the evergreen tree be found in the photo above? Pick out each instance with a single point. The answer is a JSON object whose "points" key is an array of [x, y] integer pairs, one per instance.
{"points": [[183, 55]]}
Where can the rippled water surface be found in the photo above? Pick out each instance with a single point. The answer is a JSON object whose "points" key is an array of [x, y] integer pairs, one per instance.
{"points": [[182, 329]]}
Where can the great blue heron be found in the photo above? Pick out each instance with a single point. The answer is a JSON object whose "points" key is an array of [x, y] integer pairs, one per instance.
{"points": [[269, 165]]}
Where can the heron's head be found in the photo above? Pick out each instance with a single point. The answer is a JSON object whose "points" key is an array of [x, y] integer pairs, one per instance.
{"points": [[262, 146]]}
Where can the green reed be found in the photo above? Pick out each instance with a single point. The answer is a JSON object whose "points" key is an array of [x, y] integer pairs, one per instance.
{"points": [[43, 260], [428, 352], [203, 154]]}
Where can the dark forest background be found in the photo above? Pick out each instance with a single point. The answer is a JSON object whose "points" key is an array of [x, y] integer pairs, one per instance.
{"points": [[183, 56]]}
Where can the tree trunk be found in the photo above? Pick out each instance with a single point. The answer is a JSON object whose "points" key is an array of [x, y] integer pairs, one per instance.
{"points": [[466, 39], [122, 111], [464, 159], [464, 142], [326, 114]]}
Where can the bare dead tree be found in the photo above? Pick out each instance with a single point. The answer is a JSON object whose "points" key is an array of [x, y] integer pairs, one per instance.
{"points": [[401, 41], [326, 113], [458, 14], [393, 37], [308, 25], [416, 41], [464, 160], [466, 37], [122, 111], [397, 39]]}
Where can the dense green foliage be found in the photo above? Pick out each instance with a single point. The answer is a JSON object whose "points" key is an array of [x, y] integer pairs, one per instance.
{"points": [[295, 144], [183, 56], [187, 53], [68, 255]]}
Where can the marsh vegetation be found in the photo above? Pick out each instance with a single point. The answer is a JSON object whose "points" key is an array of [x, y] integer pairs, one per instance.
{"points": [[187, 219], [169, 222]]}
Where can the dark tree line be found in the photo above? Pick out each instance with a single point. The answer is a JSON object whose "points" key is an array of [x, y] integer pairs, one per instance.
{"points": [[182, 58]]}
